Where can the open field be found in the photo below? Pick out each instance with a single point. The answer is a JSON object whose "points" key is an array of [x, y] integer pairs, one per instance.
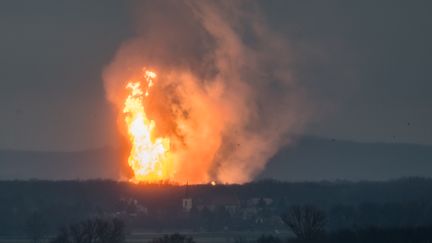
{"points": [[204, 237]]}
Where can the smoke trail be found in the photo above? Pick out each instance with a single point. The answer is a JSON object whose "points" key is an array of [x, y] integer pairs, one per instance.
{"points": [[225, 93]]}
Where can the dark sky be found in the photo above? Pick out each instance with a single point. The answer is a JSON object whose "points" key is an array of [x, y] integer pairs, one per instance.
{"points": [[364, 64]]}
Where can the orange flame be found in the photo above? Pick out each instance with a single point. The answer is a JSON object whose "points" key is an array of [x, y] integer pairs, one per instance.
{"points": [[150, 157]]}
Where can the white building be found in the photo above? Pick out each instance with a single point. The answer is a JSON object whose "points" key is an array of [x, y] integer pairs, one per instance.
{"points": [[187, 204]]}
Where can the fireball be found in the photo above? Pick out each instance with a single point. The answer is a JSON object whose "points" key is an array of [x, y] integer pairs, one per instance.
{"points": [[149, 157]]}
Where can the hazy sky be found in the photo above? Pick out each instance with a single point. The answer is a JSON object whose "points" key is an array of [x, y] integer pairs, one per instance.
{"points": [[364, 64]]}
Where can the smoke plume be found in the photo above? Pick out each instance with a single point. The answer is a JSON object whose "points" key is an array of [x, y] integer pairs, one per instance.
{"points": [[225, 94]]}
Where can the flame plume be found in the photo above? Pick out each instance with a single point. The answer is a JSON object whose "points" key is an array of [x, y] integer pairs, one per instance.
{"points": [[149, 157], [226, 98]]}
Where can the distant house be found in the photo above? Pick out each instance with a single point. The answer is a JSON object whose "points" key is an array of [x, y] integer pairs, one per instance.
{"points": [[228, 202], [249, 213], [131, 207], [254, 207], [259, 201], [187, 201], [187, 204]]}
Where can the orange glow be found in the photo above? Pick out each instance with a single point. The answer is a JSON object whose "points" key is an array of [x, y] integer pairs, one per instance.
{"points": [[150, 157], [209, 106]]}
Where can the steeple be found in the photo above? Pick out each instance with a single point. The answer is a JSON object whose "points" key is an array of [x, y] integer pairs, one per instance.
{"points": [[187, 200]]}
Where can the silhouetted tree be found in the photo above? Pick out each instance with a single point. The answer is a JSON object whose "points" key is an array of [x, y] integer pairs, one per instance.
{"points": [[174, 238], [93, 231], [306, 222]]}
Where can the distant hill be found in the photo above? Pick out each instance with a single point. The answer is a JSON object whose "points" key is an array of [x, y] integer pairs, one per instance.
{"points": [[89, 164], [310, 158]]}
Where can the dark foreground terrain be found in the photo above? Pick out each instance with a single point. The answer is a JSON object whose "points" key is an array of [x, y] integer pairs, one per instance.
{"points": [[222, 212]]}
